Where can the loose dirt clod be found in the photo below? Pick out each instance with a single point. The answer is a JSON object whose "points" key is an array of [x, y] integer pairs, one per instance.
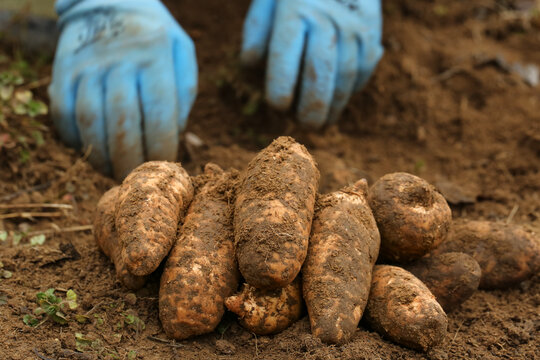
{"points": [[336, 276], [266, 312], [412, 216], [452, 277], [107, 239], [506, 253], [201, 270], [402, 308], [151, 203], [273, 214]]}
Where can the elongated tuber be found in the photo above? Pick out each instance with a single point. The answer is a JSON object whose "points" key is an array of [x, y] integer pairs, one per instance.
{"points": [[108, 241], [201, 270], [273, 214], [151, 203], [343, 248], [506, 253], [452, 277], [402, 308]]}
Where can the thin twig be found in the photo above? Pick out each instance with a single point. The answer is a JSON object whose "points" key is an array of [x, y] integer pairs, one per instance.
{"points": [[60, 231], [30, 215], [457, 331], [445, 75], [36, 84], [256, 346], [74, 354], [94, 308], [16, 194], [35, 206], [164, 341], [42, 357], [512, 214]]}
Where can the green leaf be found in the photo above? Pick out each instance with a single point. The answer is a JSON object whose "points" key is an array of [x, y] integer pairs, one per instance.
{"points": [[3, 299], [30, 320], [38, 138], [10, 78], [51, 298], [72, 305], [3, 235], [81, 319], [17, 237], [130, 319], [24, 97], [19, 109], [82, 342], [36, 107], [99, 319], [37, 240], [59, 317], [132, 355], [50, 309], [24, 156], [6, 92], [39, 311], [6, 274], [252, 106], [71, 295]]}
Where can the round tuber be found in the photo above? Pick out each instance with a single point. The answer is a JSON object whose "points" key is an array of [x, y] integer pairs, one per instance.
{"points": [[412, 216]]}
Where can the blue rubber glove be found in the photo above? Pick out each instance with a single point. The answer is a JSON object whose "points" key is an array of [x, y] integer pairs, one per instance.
{"points": [[124, 81], [338, 42]]}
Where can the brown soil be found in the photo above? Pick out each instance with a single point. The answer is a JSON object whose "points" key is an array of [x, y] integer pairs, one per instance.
{"points": [[439, 106]]}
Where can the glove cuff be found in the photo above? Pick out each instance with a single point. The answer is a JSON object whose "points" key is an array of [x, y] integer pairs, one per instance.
{"points": [[66, 9], [62, 6]]}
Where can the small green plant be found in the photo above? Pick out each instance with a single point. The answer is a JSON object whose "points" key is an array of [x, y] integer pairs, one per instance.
{"points": [[52, 307], [83, 342], [132, 321], [4, 274]]}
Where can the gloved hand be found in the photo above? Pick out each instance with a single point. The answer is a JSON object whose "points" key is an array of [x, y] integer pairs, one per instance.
{"points": [[338, 41], [124, 81]]}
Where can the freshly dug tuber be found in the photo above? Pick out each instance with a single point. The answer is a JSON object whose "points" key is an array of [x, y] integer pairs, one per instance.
{"points": [[452, 277], [107, 239], [270, 311], [412, 216], [336, 276], [506, 253], [201, 270], [402, 308], [273, 214], [151, 202]]}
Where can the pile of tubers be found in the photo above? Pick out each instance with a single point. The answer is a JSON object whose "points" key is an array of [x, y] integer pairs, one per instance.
{"points": [[264, 244]]}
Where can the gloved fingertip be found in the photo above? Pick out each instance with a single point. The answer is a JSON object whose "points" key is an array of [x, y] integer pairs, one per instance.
{"points": [[62, 109], [257, 31], [251, 56], [313, 116], [278, 100]]}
